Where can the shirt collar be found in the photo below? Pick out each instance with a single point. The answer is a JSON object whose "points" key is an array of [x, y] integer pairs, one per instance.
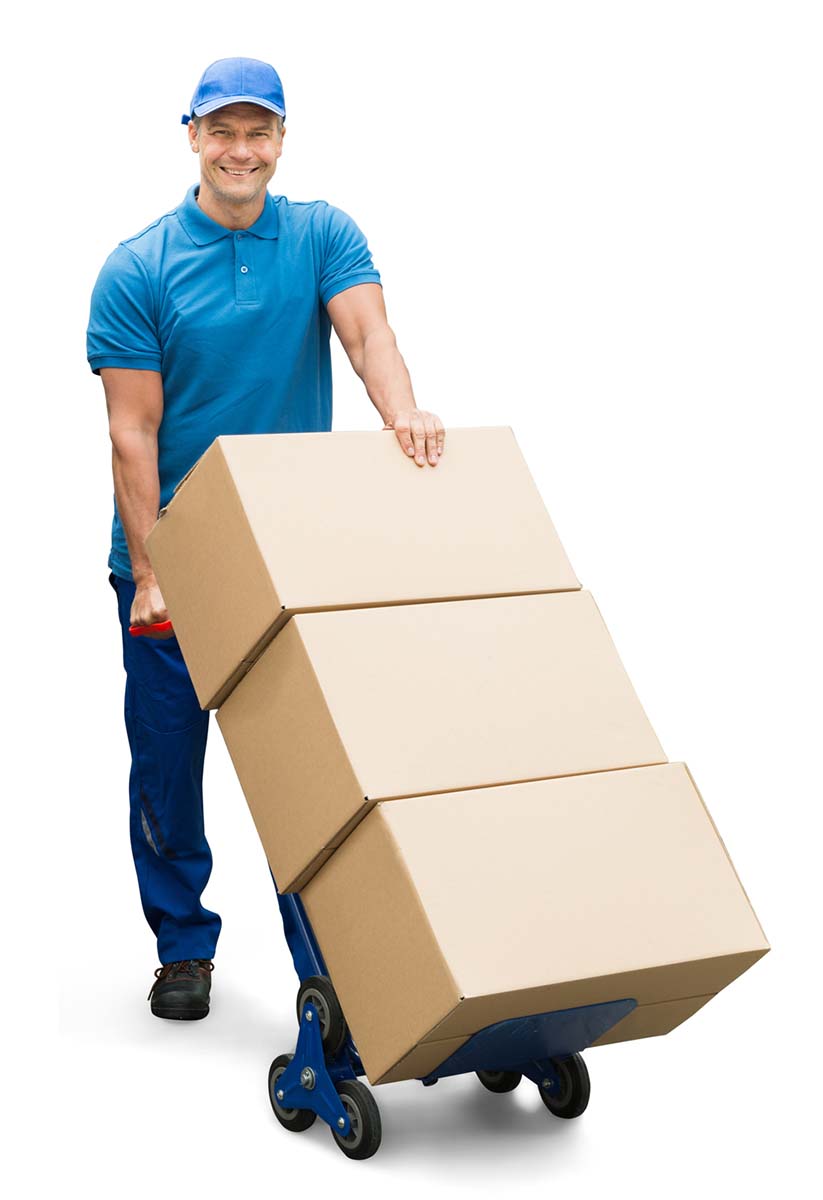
{"points": [[203, 230]]}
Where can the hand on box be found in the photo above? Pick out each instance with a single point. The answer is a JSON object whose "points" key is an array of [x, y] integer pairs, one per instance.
{"points": [[148, 608], [421, 434]]}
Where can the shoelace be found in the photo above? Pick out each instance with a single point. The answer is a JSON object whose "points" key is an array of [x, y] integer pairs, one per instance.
{"points": [[189, 966]]}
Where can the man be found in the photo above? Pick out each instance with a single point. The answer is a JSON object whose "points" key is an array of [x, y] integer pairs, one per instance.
{"points": [[216, 320]]}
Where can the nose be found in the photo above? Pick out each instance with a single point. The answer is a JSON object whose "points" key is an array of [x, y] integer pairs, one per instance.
{"points": [[240, 149]]}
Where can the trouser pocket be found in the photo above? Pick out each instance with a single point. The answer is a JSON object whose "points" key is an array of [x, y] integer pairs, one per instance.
{"points": [[167, 786]]}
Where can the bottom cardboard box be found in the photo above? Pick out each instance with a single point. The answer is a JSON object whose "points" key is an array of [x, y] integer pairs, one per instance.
{"points": [[443, 914]]}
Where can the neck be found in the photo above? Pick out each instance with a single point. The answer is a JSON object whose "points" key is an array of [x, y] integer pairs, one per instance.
{"points": [[229, 215]]}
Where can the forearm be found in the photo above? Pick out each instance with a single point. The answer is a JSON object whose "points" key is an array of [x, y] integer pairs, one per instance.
{"points": [[359, 318], [137, 492], [384, 373]]}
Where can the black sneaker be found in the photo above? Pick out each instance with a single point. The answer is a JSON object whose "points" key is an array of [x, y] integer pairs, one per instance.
{"points": [[181, 990]]}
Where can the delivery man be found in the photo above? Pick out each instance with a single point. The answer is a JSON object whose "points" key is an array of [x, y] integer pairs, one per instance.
{"points": [[216, 319]]}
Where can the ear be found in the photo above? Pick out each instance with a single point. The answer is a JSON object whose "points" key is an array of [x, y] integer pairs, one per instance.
{"points": [[280, 143], [193, 142]]}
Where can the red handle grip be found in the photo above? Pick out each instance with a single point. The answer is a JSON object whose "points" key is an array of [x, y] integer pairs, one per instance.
{"points": [[146, 630]]}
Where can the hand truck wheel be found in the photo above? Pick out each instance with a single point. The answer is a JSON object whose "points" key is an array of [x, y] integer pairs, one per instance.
{"points": [[294, 1119], [318, 990], [499, 1081], [364, 1136], [573, 1096]]}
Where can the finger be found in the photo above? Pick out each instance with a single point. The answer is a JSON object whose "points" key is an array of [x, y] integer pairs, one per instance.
{"points": [[431, 438], [401, 430], [441, 435], [418, 432]]}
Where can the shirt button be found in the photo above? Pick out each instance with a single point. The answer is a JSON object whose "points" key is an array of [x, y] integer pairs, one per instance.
{"points": [[244, 270]]}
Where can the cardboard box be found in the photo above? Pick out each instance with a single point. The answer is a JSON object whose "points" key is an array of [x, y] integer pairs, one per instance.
{"points": [[345, 709], [441, 915], [270, 525]]}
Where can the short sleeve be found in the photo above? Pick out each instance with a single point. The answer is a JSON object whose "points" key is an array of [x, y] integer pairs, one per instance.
{"points": [[346, 256], [122, 329]]}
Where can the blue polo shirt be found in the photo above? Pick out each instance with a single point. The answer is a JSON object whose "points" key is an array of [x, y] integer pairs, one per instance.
{"points": [[234, 321]]}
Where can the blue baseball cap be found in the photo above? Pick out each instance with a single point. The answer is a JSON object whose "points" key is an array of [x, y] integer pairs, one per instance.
{"points": [[236, 81]]}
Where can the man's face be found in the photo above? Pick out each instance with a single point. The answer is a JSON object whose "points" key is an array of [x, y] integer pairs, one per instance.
{"points": [[239, 146]]}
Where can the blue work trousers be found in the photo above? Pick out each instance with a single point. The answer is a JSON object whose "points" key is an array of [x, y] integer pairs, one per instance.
{"points": [[167, 733]]}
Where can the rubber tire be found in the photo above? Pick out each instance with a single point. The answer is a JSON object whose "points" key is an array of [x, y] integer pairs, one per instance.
{"points": [[318, 990], [363, 1140], [296, 1120], [499, 1081], [574, 1095]]}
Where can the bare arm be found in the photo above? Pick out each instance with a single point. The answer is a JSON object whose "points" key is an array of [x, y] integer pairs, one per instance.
{"points": [[358, 315], [135, 405]]}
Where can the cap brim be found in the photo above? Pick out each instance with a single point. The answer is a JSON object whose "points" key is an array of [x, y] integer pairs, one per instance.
{"points": [[210, 106]]}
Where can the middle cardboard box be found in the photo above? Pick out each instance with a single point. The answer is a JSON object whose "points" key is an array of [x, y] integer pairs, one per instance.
{"points": [[347, 709]]}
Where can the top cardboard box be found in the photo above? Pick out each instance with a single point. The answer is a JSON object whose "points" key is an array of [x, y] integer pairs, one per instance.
{"points": [[265, 526]]}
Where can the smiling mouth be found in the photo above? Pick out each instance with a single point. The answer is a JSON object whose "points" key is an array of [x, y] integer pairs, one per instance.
{"points": [[238, 174]]}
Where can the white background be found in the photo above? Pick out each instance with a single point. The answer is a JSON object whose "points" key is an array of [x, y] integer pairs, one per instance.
{"points": [[599, 223]]}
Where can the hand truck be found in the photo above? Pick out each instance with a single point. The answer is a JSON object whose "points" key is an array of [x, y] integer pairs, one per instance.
{"points": [[320, 1079]]}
